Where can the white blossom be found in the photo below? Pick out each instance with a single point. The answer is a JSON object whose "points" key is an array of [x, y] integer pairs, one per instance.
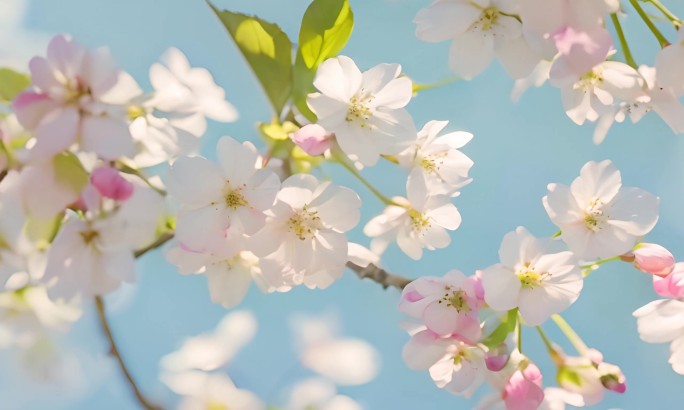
{"points": [[531, 277], [365, 110], [598, 217]]}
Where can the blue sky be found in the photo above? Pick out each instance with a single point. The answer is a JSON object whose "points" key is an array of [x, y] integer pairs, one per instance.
{"points": [[518, 149]]}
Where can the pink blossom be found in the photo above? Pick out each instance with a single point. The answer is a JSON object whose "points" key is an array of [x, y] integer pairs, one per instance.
{"points": [[672, 285], [524, 389], [312, 138], [448, 306], [579, 51], [78, 96], [654, 259], [110, 184]]}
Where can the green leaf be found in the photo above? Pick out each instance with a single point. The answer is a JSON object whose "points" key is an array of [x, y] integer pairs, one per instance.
{"points": [[326, 28], [499, 334], [267, 50], [12, 83], [69, 172]]}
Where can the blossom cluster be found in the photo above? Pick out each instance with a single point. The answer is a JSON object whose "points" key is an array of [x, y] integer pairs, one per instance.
{"points": [[566, 43], [75, 208], [468, 328]]}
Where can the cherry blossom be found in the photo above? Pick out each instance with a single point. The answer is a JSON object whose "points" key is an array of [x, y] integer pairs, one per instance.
{"points": [[480, 30], [313, 139], [598, 217], [93, 256], [78, 97], [447, 306], [654, 259], [168, 123], [201, 391], [303, 240], [667, 64], [438, 160], [419, 221], [229, 269], [215, 198], [532, 277], [454, 365], [672, 285], [319, 394], [365, 110], [662, 321]]}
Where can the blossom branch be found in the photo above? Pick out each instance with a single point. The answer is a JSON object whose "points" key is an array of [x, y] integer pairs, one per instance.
{"points": [[379, 276], [114, 351]]}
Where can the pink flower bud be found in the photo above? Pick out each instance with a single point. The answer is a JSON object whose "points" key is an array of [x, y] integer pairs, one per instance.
{"points": [[654, 259], [524, 389], [612, 378], [312, 138], [110, 184], [672, 285], [496, 358]]}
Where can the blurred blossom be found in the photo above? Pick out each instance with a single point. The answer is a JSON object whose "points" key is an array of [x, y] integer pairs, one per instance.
{"points": [[319, 394], [343, 360], [211, 351]]}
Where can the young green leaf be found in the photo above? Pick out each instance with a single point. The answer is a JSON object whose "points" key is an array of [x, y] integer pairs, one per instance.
{"points": [[268, 52], [12, 83], [326, 28]]}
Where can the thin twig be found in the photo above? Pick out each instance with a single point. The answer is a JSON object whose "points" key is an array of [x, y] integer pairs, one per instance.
{"points": [[114, 351], [163, 238], [379, 275]]}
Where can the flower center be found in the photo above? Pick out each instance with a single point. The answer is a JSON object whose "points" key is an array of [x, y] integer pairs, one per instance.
{"points": [[213, 405], [529, 278], [135, 111], [235, 199], [589, 80], [419, 222], [304, 223], [594, 216], [359, 109], [488, 18], [89, 236], [456, 299]]}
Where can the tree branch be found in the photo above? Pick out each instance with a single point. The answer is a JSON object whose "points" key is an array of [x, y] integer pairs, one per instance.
{"points": [[114, 351], [379, 275]]}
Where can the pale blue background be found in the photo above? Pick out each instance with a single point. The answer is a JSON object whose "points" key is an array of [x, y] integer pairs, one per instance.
{"points": [[517, 150]]}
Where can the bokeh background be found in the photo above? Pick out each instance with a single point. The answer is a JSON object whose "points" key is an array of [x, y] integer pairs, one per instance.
{"points": [[518, 149]]}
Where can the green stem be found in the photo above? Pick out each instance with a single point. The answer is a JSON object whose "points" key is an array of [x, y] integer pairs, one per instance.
{"points": [[600, 262], [546, 340], [667, 13], [570, 334], [629, 59], [658, 35], [349, 167], [519, 333], [557, 234], [136, 172]]}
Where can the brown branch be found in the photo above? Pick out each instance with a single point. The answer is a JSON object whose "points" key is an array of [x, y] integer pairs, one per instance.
{"points": [[163, 238], [114, 351], [379, 275]]}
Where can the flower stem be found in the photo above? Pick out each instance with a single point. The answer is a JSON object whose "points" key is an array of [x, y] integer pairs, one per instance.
{"points": [[340, 159], [600, 262], [557, 359], [114, 351], [629, 59], [570, 334], [667, 13], [658, 35]]}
